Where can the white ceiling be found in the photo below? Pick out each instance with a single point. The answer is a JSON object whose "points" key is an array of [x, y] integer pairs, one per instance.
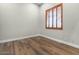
{"points": [[39, 4]]}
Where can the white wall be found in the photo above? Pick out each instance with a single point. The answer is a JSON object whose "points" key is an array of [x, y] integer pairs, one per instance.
{"points": [[71, 18], [75, 34], [18, 20]]}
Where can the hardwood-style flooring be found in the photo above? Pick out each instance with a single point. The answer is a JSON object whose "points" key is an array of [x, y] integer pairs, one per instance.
{"points": [[36, 46]]}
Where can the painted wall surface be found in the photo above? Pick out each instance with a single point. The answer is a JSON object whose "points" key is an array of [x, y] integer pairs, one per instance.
{"points": [[18, 20], [70, 20], [75, 35]]}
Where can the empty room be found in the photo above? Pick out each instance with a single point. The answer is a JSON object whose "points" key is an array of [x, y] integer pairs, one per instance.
{"points": [[39, 28]]}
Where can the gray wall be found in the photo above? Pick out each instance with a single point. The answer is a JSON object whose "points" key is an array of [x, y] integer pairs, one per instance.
{"points": [[75, 34], [71, 18], [18, 20]]}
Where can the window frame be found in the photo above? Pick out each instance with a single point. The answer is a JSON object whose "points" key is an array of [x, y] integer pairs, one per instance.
{"points": [[55, 7]]}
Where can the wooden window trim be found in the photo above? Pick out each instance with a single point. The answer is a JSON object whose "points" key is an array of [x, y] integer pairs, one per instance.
{"points": [[56, 17]]}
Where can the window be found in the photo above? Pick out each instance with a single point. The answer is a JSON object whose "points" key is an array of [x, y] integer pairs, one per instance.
{"points": [[54, 17]]}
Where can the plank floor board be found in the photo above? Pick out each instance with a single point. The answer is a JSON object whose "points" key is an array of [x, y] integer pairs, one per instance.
{"points": [[62, 47], [36, 46]]}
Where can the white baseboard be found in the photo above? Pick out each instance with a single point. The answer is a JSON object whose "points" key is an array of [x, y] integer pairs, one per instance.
{"points": [[19, 38], [64, 42]]}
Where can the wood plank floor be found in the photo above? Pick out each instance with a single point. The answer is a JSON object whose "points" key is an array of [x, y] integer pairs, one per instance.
{"points": [[36, 46]]}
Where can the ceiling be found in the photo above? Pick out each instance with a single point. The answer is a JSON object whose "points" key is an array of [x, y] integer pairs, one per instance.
{"points": [[39, 4]]}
